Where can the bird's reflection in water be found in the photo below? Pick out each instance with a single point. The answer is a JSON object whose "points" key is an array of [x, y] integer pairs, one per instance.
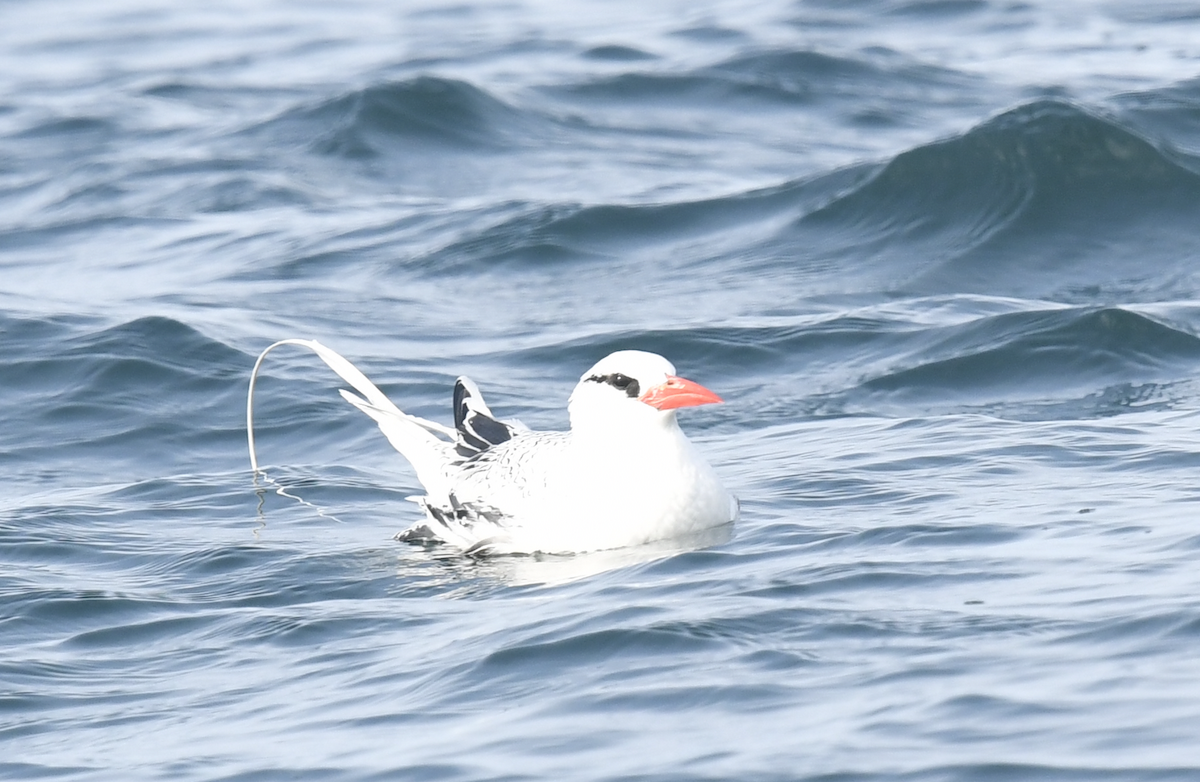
{"points": [[480, 575]]}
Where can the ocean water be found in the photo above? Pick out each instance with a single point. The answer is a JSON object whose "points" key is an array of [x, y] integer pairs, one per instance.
{"points": [[941, 257]]}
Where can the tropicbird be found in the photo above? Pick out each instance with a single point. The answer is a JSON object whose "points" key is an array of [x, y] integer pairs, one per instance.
{"points": [[623, 475]]}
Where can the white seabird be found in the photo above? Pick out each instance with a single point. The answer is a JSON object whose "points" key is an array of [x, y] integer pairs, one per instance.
{"points": [[623, 475]]}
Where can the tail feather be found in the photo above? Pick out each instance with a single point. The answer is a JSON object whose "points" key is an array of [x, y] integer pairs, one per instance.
{"points": [[351, 374], [415, 438], [428, 455]]}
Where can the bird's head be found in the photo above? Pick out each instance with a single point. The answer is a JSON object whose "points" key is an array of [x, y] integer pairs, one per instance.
{"points": [[632, 387]]}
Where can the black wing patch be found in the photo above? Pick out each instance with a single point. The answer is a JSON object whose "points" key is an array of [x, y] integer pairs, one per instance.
{"points": [[478, 429], [463, 514]]}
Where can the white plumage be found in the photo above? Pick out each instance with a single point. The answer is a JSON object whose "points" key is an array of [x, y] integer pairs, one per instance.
{"points": [[623, 475]]}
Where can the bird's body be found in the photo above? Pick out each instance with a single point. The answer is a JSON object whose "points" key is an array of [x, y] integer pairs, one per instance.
{"points": [[624, 474]]}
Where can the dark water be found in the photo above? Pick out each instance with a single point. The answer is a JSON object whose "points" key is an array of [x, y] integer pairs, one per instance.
{"points": [[942, 258]]}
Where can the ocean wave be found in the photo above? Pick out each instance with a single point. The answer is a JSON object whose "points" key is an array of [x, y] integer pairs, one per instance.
{"points": [[617, 53], [986, 211], [564, 232], [1017, 363], [1101, 360], [1026, 168], [414, 116], [74, 128], [747, 353], [782, 77], [134, 389], [1171, 112], [1054, 348]]}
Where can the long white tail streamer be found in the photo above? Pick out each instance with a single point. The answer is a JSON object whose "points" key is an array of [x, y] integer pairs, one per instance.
{"points": [[346, 371], [250, 394]]}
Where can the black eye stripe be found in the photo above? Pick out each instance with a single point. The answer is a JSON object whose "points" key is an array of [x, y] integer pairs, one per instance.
{"points": [[621, 382]]}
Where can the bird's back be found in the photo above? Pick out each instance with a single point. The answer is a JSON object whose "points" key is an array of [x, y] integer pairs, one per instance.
{"points": [[510, 475]]}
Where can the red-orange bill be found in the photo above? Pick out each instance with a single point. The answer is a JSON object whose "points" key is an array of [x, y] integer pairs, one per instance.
{"points": [[678, 392]]}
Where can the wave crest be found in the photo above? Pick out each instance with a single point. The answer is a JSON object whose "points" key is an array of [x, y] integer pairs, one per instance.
{"points": [[422, 113]]}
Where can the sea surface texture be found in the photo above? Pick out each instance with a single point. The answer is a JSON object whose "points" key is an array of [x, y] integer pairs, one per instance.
{"points": [[941, 258]]}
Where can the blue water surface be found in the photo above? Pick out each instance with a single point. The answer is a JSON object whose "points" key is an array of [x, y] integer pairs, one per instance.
{"points": [[941, 257]]}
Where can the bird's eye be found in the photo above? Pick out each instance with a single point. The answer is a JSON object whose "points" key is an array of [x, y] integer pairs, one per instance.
{"points": [[620, 382]]}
